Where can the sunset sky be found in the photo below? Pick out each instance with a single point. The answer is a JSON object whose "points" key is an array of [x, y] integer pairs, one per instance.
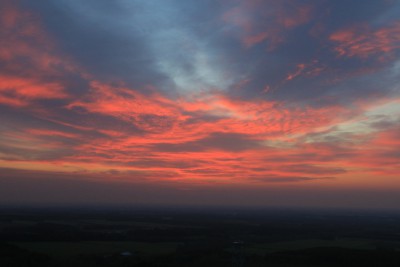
{"points": [[205, 102]]}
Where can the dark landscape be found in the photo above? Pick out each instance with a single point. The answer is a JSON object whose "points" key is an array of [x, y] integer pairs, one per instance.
{"points": [[183, 236]]}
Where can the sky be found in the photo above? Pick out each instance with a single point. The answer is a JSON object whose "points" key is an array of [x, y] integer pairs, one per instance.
{"points": [[212, 102]]}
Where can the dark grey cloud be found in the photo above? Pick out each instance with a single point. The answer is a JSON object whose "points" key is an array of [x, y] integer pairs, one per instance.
{"points": [[151, 162], [288, 179], [135, 42], [87, 33], [312, 169], [188, 46], [384, 122], [232, 142], [341, 80]]}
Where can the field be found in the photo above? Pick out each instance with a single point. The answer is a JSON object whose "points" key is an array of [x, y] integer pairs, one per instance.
{"points": [[197, 238]]}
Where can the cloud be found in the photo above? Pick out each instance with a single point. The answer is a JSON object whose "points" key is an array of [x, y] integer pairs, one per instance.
{"points": [[364, 42], [231, 142], [30, 68], [259, 21], [312, 169], [289, 179], [194, 95], [16, 91]]}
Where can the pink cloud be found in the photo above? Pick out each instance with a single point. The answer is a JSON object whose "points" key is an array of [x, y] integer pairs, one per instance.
{"points": [[364, 41], [206, 139], [257, 24], [29, 55], [18, 91]]}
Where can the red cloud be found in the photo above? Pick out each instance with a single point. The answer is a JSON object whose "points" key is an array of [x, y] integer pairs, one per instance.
{"points": [[183, 120], [194, 139], [28, 54], [188, 153], [17, 91], [364, 41], [208, 139]]}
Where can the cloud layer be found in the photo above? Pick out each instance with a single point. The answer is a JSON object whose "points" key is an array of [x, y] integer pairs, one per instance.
{"points": [[190, 96]]}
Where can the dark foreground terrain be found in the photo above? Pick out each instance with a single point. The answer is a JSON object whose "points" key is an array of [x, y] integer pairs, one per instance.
{"points": [[197, 237]]}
